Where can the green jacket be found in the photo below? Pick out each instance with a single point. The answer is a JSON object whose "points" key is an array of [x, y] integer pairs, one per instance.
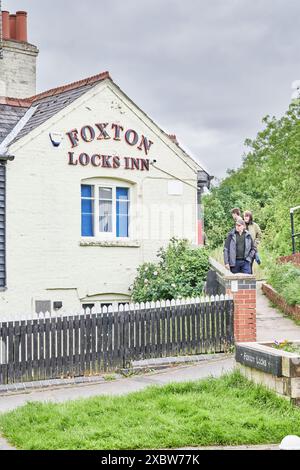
{"points": [[255, 233]]}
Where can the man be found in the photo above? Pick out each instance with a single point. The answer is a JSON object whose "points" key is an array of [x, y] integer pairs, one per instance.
{"points": [[236, 213], [255, 232], [239, 249]]}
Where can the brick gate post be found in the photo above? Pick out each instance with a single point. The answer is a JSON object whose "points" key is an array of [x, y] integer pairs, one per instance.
{"points": [[242, 287]]}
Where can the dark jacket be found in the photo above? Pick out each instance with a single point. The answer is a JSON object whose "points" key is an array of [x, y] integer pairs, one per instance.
{"points": [[230, 248]]}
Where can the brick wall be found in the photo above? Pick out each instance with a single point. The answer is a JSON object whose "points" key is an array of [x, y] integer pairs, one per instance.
{"points": [[295, 259], [242, 287], [18, 70], [292, 310]]}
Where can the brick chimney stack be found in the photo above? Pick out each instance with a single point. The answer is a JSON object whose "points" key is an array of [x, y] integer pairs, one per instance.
{"points": [[18, 66]]}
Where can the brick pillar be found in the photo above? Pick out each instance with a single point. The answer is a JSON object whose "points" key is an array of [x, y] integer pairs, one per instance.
{"points": [[243, 289]]}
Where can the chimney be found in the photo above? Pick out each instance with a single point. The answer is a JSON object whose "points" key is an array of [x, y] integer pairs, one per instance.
{"points": [[12, 26], [18, 65], [174, 139], [21, 26], [5, 25]]}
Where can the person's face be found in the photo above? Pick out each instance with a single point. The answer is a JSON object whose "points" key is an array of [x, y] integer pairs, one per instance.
{"points": [[235, 216], [239, 228], [247, 218]]}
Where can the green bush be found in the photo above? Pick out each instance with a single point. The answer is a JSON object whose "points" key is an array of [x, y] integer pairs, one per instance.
{"points": [[285, 278], [179, 273]]}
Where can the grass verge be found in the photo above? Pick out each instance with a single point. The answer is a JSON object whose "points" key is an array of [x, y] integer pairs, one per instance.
{"points": [[225, 411]]}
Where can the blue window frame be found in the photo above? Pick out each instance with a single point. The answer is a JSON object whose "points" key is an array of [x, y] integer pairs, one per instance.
{"points": [[105, 211]]}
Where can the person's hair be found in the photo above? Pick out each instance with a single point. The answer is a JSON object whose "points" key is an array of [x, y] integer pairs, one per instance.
{"points": [[250, 215], [240, 221], [236, 211]]}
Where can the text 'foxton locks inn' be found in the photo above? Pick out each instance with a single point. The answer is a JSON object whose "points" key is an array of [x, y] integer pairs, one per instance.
{"points": [[90, 187]]}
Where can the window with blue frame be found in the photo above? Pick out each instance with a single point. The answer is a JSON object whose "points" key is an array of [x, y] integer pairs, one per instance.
{"points": [[105, 211]]}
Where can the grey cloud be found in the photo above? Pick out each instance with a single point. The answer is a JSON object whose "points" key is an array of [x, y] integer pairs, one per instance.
{"points": [[207, 70]]}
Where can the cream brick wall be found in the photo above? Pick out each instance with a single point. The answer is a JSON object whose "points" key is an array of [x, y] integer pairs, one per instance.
{"points": [[44, 258], [18, 70]]}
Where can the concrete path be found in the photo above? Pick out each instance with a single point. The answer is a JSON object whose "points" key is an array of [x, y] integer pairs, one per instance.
{"points": [[254, 447], [185, 373], [271, 323], [4, 445]]}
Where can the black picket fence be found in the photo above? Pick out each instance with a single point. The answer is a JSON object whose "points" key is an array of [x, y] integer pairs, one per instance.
{"points": [[109, 340]]}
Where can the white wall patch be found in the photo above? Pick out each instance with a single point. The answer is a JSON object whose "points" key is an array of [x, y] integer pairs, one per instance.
{"points": [[175, 188]]}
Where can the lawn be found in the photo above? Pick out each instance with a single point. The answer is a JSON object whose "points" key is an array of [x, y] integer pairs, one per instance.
{"points": [[224, 411]]}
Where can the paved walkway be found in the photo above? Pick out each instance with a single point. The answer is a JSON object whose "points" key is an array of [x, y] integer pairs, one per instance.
{"points": [[257, 447], [271, 323], [120, 387]]}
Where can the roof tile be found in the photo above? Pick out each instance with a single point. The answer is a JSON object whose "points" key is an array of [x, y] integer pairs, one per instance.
{"points": [[48, 104]]}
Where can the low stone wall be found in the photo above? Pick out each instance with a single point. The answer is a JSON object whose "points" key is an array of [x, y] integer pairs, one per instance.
{"points": [[295, 259], [276, 369], [242, 287], [277, 299]]}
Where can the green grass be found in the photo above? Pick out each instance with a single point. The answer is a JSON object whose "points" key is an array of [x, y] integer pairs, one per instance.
{"points": [[288, 346], [285, 279], [224, 411]]}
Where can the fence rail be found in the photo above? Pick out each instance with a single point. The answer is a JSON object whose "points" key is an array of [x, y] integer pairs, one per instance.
{"points": [[107, 339]]}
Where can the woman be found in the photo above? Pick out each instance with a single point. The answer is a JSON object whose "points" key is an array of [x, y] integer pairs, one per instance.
{"points": [[255, 232]]}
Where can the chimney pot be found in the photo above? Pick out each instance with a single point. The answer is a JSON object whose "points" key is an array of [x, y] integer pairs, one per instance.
{"points": [[5, 25], [12, 27], [21, 26], [174, 139]]}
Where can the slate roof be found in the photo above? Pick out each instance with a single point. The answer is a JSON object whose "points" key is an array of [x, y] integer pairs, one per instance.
{"points": [[48, 107], [48, 104], [9, 117]]}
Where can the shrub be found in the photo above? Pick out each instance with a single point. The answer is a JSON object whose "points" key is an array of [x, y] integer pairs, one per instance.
{"points": [[285, 278], [179, 273]]}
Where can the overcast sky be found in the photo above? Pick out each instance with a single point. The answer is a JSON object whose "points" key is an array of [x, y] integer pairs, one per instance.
{"points": [[205, 70]]}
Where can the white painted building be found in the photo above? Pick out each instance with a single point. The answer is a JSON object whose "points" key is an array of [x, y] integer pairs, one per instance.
{"points": [[94, 190]]}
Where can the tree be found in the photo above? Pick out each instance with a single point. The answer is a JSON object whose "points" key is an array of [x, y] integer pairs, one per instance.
{"points": [[268, 183]]}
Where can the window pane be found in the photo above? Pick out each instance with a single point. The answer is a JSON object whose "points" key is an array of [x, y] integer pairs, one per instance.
{"points": [[122, 208], [86, 190], [122, 212], [122, 193], [105, 211], [122, 226], [87, 211], [105, 193], [87, 206], [87, 225]]}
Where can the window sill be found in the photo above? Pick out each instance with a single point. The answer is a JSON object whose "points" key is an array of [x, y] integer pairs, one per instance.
{"points": [[111, 243]]}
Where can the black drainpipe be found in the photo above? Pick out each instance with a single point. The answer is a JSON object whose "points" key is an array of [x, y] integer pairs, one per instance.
{"points": [[3, 161]]}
